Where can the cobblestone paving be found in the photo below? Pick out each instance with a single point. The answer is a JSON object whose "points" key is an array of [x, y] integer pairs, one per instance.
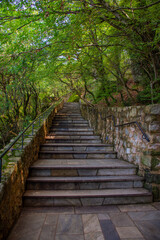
{"points": [[126, 222]]}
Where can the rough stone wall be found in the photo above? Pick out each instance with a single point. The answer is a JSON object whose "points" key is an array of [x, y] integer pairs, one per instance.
{"points": [[14, 176], [128, 140]]}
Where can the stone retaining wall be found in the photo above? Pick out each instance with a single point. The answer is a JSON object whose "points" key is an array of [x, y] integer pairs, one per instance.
{"points": [[15, 174], [128, 141]]}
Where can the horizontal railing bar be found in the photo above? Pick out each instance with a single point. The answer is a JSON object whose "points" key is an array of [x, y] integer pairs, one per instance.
{"points": [[144, 135]]}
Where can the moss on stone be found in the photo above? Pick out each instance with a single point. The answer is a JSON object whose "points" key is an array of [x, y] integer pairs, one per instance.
{"points": [[146, 160], [154, 163], [156, 193], [155, 153], [146, 152]]}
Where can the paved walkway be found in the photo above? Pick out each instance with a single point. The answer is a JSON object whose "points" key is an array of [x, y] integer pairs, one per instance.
{"points": [[127, 222]]}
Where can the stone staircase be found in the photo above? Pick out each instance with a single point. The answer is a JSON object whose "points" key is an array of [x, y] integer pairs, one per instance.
{"points": [[75, 169]]}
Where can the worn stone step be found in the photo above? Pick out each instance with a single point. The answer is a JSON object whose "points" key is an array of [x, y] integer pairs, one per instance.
{"points": [[86, 198], [69, 121], [67, 129], [84, 183], [70, 125], [91, 167], [76, 147], [69, 111], [90, 163], [68, 114], [71, 133], [78, 144], [68, 118], [90, 137], [60, 114], [77, 154], [77, 112], [61, 140], [62, 117]]}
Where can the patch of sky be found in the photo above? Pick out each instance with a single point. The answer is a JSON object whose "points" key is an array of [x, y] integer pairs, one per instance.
{"points": [[64, 21], [46, 40], [61, 57]]}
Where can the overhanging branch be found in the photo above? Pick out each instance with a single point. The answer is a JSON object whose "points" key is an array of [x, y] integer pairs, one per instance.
{"points": [[138, 8]]}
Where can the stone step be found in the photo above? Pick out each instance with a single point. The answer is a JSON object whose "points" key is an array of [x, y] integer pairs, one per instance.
{"points": [[69, 110], [77, 154], [69, 129], [90, 137], [70, 125], [68, 118], [69, 121], [69, 133], [110, 162], [84, 183], [78, 144], [68, 114], [87, 167], [64, 140], [76, 147], [60, 114], [85, 127], [50, 198]]}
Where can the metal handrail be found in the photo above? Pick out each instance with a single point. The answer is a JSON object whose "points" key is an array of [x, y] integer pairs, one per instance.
{"points": [[42, 115], [138, 124]]}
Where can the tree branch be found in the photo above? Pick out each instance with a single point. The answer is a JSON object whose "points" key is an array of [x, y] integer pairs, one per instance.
{"points": [[97, 45], [10, 18], [133, 9], [23, 26]]}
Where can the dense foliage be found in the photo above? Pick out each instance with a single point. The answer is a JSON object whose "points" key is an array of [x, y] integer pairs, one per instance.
{"points": [[102, 50]]}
